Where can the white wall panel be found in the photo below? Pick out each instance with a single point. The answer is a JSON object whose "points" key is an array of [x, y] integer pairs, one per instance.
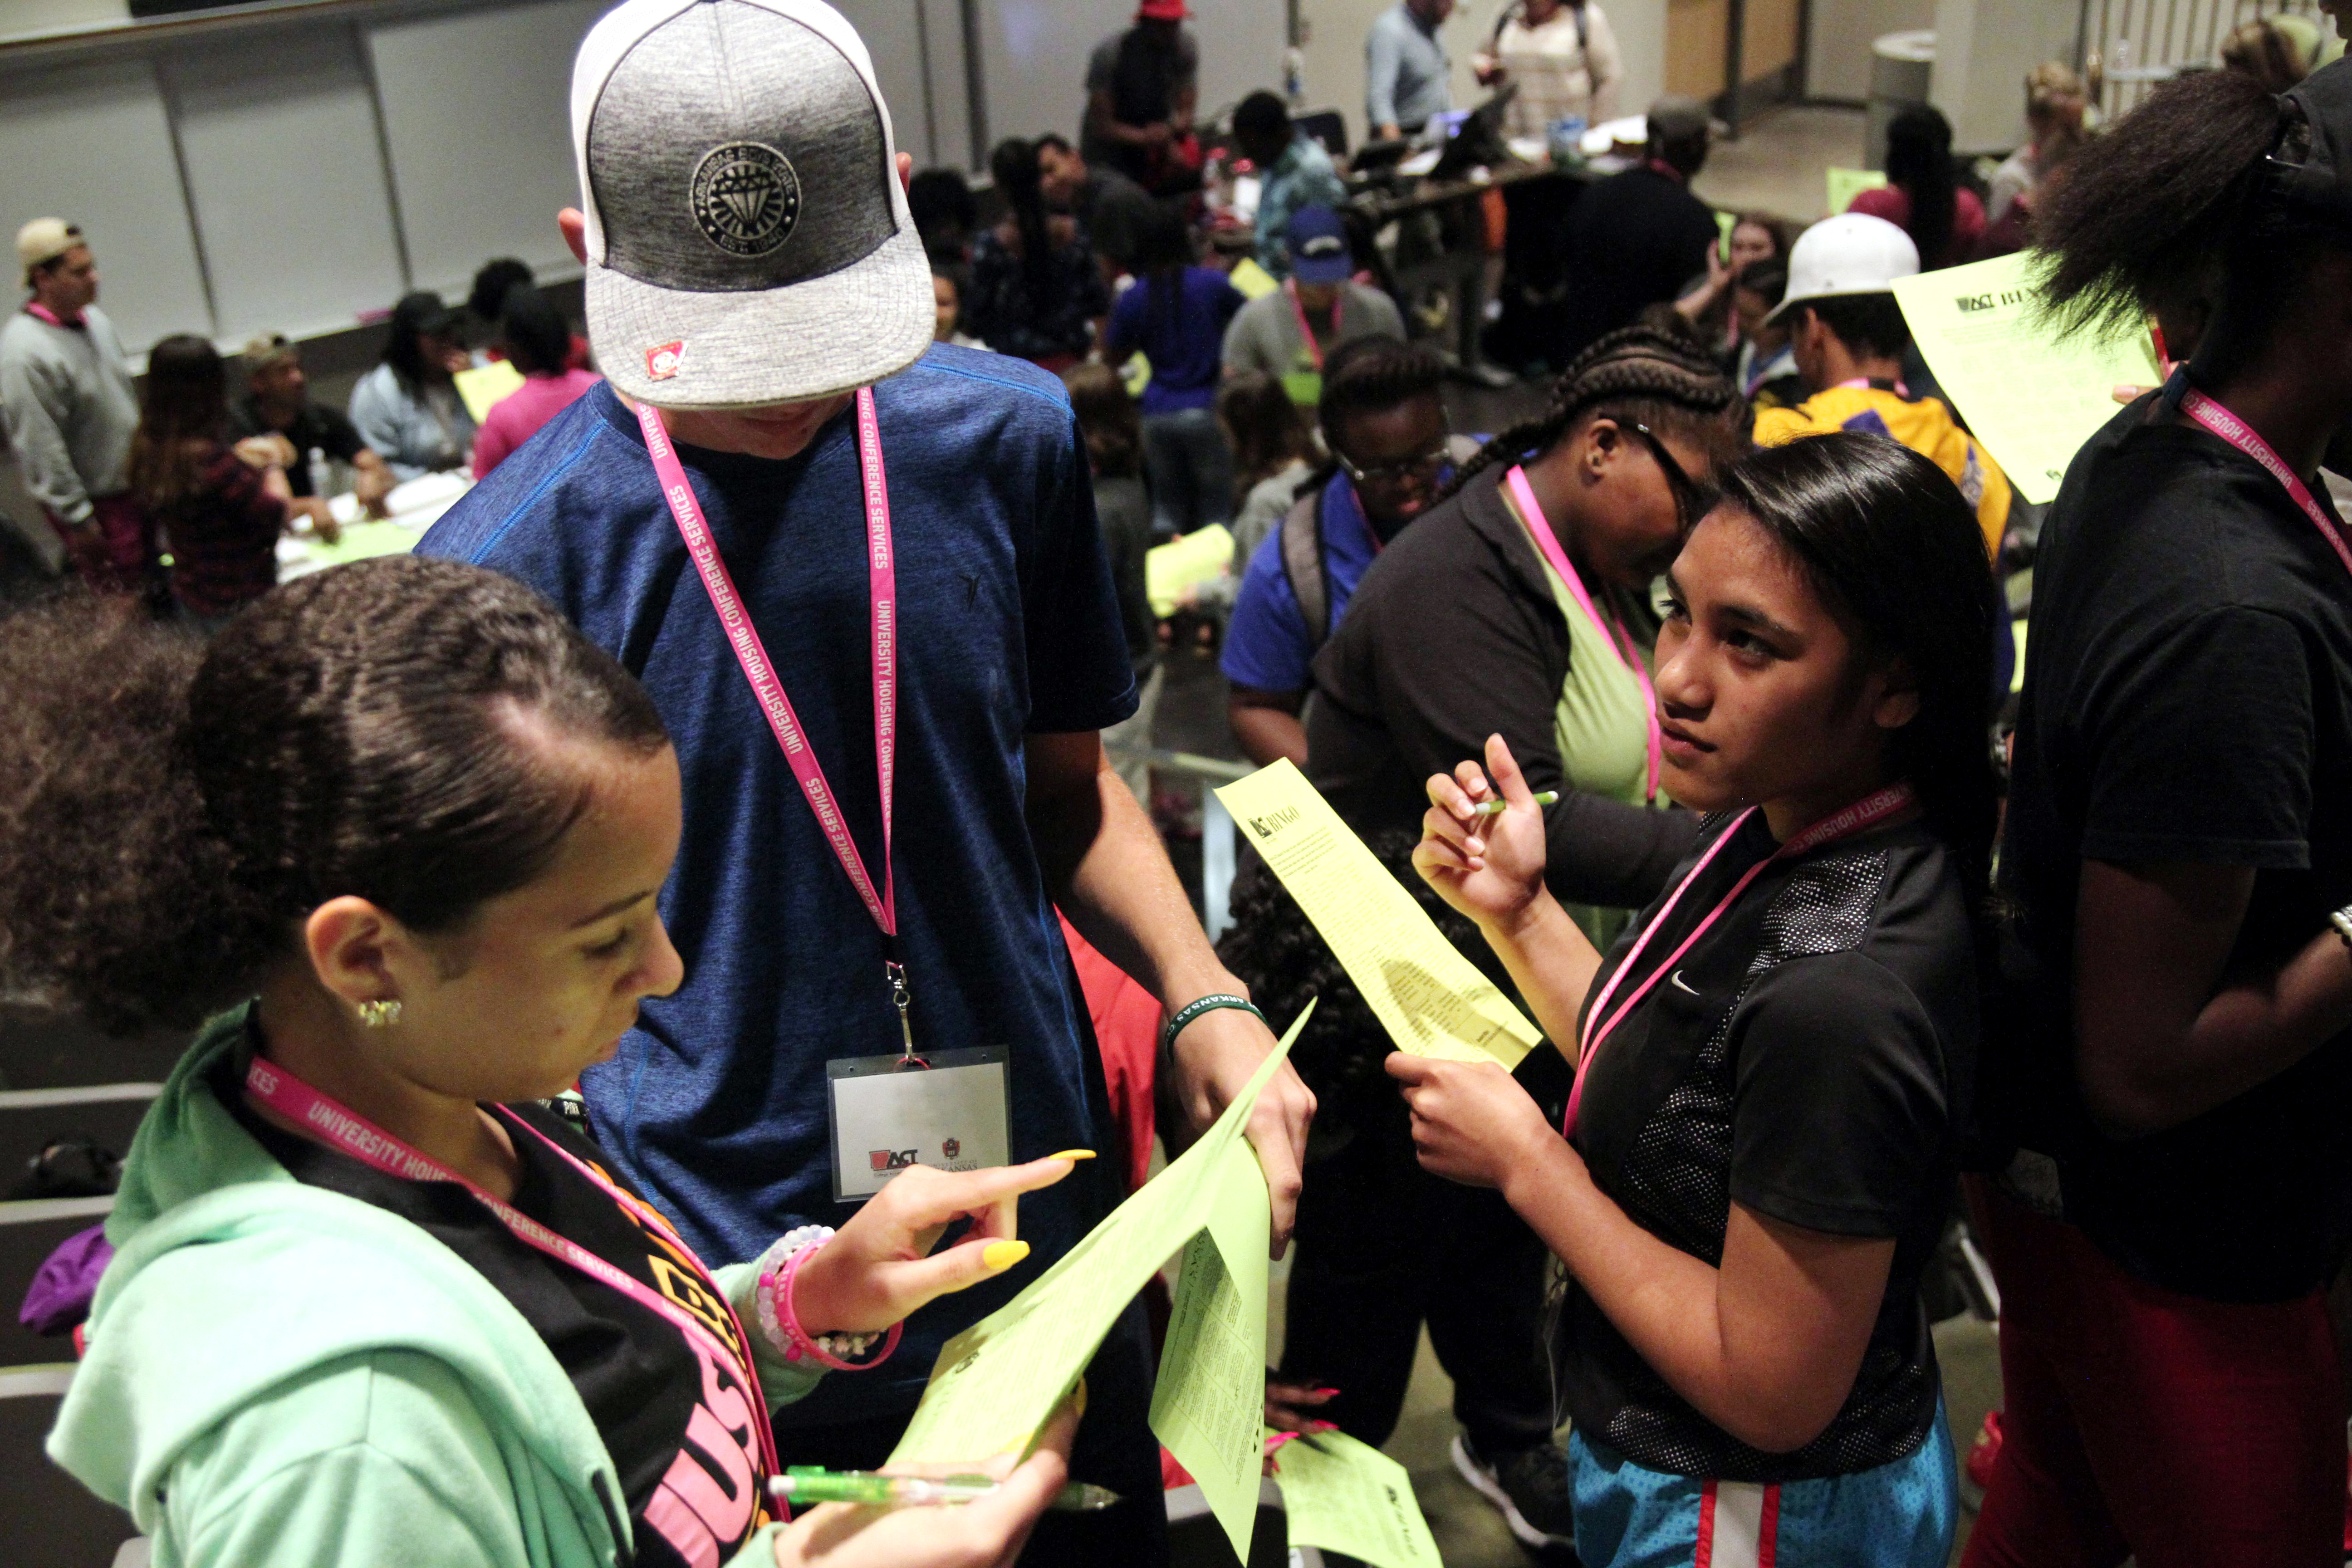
{"points": [[91, 143], [296, 242], [476, 115]]}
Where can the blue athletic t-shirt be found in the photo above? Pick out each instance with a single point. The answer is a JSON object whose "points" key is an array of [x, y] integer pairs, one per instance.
{"points": [[716, 1104], [1267, 644], [1185, 344]]}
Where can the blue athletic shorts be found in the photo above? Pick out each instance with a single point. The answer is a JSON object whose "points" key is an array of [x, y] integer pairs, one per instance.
{"points": [[1900, 1515]]}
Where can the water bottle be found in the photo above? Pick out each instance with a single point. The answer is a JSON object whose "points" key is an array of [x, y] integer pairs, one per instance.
{"points": [[1293, 77], [320, 479]]}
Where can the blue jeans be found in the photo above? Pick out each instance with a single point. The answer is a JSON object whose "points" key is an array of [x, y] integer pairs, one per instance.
{"points": [[1191, 471]]}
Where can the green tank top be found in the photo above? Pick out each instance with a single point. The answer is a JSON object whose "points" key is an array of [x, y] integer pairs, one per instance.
{"points": [[1600, 725]]}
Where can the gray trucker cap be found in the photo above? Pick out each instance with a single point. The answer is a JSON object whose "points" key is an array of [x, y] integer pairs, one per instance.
{"points": [[748, 239]]}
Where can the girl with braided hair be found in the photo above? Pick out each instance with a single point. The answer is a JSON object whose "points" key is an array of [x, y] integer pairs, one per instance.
{"points": [[1517, 606]]}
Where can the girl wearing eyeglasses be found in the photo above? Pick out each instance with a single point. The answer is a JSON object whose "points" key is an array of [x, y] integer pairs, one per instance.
{"points": [[1774, 1058]]}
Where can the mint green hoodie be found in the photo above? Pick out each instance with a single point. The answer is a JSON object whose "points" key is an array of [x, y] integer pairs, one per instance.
{"points": [[279, 1376]]}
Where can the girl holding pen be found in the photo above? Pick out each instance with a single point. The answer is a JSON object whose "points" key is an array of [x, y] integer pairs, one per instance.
{"points": [[372, 1301], [1775, 1056]]}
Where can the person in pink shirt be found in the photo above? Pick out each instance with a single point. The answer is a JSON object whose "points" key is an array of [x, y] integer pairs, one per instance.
{"points": [[1922, 195], [535, 338]]}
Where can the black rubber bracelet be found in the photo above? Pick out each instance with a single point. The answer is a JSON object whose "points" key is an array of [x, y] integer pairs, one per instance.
{"points": [[1209, 1003]]}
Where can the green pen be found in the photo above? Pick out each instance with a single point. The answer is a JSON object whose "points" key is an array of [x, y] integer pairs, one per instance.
{"points": [[812, 1483], [1496, 807]]}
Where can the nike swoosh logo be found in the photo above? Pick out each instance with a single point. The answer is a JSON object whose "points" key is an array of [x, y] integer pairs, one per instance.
{"points": [[1676, 979]]}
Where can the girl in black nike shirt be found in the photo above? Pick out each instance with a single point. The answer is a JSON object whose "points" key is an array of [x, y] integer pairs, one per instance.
{"points": [[1760, 1146]]}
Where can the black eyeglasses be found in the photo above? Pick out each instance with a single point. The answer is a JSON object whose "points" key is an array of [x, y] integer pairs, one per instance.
{"points": [[1692, 501], [1422, 468]]}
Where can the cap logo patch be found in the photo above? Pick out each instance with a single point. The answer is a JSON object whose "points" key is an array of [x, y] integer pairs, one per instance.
{"points": [[665, 362], [746, 197], [1323, 245]]}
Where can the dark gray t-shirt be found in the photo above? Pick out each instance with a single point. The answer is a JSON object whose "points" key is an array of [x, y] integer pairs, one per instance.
{"points": [[2188, 698], [1808, 1057]]}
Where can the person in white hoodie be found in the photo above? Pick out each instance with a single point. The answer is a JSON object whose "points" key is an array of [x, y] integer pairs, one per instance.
{"points": [[67, 403]]}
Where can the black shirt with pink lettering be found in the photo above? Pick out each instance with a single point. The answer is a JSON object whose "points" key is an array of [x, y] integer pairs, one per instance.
{"points": [[677, 1422]]}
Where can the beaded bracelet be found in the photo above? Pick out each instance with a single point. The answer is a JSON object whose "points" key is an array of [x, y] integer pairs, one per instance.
{"points": [[778, 1319], [1209, 1003]]}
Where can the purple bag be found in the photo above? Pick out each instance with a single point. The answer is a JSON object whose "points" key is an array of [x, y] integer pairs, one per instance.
{"points": [[63, 1287]]}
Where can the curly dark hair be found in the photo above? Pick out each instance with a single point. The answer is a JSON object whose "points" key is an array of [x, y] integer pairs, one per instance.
{"points": [[170, 810], [2183, 204], [1634, 376], [1273, 949]]}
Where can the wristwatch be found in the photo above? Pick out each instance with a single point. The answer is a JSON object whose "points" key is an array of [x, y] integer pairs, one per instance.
{"points": [[2342, 921]]}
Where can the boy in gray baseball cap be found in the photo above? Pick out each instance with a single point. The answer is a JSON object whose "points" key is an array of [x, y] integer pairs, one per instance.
{"points": [[903, 536]]}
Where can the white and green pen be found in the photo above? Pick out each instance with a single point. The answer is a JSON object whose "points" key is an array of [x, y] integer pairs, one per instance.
{"points": [[811, 1484], [1496, 807]]}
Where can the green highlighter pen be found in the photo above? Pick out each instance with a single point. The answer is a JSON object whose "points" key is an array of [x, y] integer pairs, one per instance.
{"points": [[812, 1483], [1496, 807]]}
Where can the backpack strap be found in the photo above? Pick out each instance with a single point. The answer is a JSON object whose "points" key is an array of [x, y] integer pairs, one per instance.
{"points": [[1302, 563]]}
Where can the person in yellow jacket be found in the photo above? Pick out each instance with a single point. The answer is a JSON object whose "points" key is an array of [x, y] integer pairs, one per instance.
{"points": [[1848, 335]]}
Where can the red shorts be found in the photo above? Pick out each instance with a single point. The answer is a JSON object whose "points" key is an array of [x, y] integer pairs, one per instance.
{"points": [[2141, 1422]]}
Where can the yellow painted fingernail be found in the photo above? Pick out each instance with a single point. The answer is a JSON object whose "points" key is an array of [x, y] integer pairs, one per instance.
{"points": [[1072, 1154], [1001, 1256]]}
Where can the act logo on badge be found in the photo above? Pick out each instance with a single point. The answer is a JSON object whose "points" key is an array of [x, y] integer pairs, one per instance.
{"points": [[886, 1115]]}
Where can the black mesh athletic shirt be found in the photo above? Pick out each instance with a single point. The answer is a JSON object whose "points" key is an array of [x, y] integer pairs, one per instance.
{"points": [[1802, 1060]]}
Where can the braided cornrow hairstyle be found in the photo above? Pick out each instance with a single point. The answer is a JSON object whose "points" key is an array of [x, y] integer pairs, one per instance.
{"points": [[1635, 376]]}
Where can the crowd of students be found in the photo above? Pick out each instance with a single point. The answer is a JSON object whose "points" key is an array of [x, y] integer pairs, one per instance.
{"points": [[527, 944]]}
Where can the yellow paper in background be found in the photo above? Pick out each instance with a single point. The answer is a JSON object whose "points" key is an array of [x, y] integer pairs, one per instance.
{"points": [[1844, 185], [1253, 282], [487, 385], [1209, 1405], [1169, 569], [995, 1383], [1430, 999], [2032, 394], [1344, 1497]]}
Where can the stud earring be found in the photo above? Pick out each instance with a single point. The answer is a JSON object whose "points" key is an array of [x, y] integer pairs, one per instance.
{"points": [[380, 1015]]}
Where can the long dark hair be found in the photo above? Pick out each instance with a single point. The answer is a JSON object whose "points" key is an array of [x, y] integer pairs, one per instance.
{"points": [[1019, 180], [1919, 163], [182, 409], [2170, 210], [410, 319], [1635, 376], [171, 810], [1163, 250], [1887, 543]]}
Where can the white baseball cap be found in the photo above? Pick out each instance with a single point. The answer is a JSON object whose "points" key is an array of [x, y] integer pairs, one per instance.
{"points": [[749, 242], [1852, 253]]}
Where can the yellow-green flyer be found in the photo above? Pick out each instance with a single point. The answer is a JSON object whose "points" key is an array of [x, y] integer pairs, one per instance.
{"points": [[2030, 393], [1844, 185], [995, 1383], [1341, 1495]]}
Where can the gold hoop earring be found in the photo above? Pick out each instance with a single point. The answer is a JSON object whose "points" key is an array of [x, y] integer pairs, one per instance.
{"points": [[380, 1015]]}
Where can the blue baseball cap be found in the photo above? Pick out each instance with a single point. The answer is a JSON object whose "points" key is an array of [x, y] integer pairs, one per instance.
{"points": [[1318, 242]]}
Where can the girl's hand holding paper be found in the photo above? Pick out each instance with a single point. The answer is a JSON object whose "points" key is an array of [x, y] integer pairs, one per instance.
{"points": [[877, 1269], [1471, 1123]]}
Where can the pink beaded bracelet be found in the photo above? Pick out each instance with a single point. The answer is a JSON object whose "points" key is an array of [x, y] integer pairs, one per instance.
{"points": [[782, 1323]]}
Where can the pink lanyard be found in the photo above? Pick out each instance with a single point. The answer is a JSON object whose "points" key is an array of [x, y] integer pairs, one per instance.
{"points": [[1314, 349], [1613, 631], [2239, 433], [1863, 383], [1600, 1023], [348, 1132], [882, 592]]}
